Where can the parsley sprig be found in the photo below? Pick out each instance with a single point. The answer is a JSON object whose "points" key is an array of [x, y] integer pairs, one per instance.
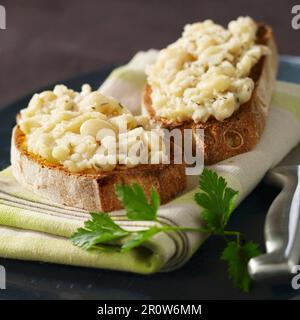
{"points": [[217, 203], [101, 229]]}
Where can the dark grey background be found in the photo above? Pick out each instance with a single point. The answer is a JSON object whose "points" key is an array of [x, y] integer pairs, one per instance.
{"points": [[46, 41]]}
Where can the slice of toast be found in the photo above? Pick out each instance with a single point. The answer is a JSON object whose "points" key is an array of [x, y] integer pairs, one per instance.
{"points": [[240, 132], [90, 190]]}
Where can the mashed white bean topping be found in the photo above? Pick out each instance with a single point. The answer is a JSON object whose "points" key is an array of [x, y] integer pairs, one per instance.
{"points": [[83, 130], [205, 73]]}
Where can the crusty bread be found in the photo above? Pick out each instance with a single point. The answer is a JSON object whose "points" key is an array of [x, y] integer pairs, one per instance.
{"points": [[242, 131], [89, 190]]}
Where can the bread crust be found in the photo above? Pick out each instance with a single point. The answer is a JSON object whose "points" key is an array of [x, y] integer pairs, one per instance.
{"points": [[240, 132], [89, 190]]}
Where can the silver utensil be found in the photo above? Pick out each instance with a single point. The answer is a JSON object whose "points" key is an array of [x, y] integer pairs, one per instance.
{"points": [[282, 225]]}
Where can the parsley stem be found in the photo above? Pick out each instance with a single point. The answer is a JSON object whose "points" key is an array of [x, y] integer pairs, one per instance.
{"points": [[234, 233], [169, 228]]}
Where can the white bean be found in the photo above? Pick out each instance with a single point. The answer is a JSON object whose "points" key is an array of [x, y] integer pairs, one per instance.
{"points": [[92, 126], [124, 122], [105, 132], [60, 153]]}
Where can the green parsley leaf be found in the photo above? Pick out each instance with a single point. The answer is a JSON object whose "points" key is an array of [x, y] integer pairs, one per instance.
{"points": [[99, 229], [237, 257], [216, 199], [139, 237], [135, 202], [155, 201]]}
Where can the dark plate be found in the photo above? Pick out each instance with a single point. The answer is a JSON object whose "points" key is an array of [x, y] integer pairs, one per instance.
{"points": [[203, 277]]}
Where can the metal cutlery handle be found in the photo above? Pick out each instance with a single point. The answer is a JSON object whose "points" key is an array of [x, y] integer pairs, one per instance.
{"points": [[282, 228]]}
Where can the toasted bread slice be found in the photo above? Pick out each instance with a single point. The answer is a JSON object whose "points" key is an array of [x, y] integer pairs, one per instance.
{"points": [[242, 131], [90, 190]]}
